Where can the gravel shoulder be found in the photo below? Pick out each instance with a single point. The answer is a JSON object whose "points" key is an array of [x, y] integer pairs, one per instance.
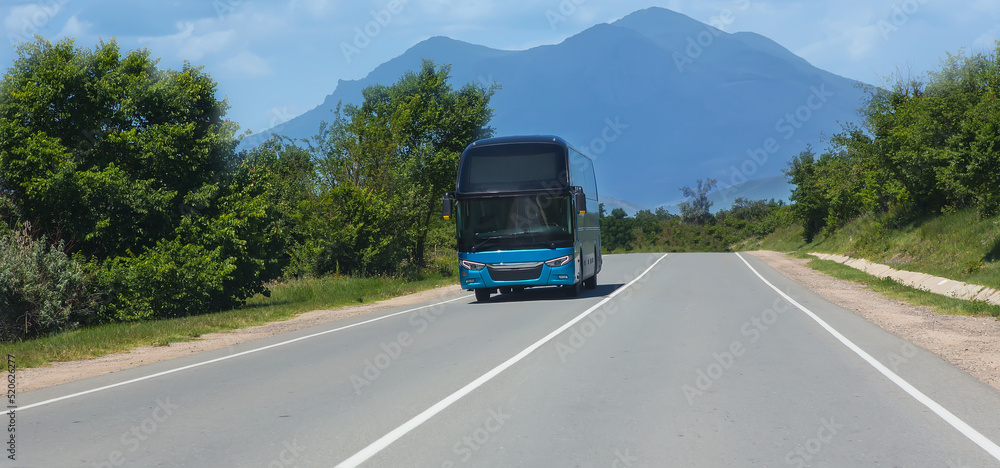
{"points": [[970, 343], [63, 372]]}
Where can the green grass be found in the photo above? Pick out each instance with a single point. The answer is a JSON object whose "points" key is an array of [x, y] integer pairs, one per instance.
{"points": [[786, 239], [894, 290], [287, 300], [960, 246]]}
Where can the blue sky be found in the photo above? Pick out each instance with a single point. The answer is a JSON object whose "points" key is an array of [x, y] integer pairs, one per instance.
{"points": [[277, 59]]}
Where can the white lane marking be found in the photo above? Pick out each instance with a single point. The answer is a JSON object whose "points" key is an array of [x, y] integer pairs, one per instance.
{"points": [[366, 453], [934, 406], [244, 353]]}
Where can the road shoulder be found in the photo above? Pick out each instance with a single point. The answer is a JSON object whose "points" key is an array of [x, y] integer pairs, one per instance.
{"points": [[71, 371], [970, 343]]}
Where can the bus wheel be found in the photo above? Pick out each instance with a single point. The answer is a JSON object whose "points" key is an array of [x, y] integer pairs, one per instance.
{"points": [[483, 295], [591, 283], [574, 290]]}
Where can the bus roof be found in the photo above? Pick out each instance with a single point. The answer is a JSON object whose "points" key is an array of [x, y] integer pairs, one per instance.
{"points": [[520, 139]]}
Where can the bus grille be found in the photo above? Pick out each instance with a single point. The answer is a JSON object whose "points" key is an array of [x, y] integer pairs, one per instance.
{"points": [[516, 274]]}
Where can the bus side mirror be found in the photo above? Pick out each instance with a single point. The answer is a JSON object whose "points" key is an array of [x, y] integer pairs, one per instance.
{"points": [[581, 201], [446, 203]]}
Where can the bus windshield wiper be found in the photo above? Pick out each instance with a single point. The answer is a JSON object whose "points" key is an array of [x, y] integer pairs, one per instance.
{"points": [[525, 242], [545, 244], [492, 238]]}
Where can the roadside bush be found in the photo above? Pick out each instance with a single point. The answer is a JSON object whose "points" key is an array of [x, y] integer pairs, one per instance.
{"points": [[42, 290], [171, 279]]}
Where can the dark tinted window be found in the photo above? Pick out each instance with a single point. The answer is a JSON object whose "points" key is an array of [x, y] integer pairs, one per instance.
{"points": [[539, 221], [582, 169], [512, 167]]}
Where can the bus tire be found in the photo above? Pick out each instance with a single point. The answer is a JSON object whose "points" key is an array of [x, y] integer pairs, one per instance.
{"points": [[574, 290], [483, 295], [591, 283]]}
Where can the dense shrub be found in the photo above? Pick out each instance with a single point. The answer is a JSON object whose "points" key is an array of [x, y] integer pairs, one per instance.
{"points": [[42, 290], [171, 279], [664, 232]]}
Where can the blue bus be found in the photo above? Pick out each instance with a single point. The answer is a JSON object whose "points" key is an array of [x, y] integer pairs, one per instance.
{"points": [[526, 214]]}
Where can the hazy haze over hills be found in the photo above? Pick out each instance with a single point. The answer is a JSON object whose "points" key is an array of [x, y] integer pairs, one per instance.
{"points": [[658, 99]]}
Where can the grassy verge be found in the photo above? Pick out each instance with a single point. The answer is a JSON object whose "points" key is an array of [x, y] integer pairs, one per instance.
{"points": [[785, 239], [287, 300], [894, 290], [960, 246]]}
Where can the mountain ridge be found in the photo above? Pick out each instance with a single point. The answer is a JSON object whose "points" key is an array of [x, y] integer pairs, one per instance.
{"points": [[736, 109]]}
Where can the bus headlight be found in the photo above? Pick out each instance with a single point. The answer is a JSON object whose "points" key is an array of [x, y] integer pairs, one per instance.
{"points": [[473, 266], [558, 262]]}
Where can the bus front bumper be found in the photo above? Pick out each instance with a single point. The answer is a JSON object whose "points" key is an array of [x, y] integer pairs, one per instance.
{"points": [[527, 268]]}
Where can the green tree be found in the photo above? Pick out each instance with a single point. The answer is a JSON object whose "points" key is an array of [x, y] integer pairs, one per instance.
{"points": [[617, 231], [697, 209], [135, 168], [102, 148], [810, 204], [392, 158]]}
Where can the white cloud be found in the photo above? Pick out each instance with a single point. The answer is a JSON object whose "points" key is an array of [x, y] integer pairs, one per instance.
{"points": [[247, 63], [190, 46], [74, 27], [24, 21], [987, 41], [314, 8]]}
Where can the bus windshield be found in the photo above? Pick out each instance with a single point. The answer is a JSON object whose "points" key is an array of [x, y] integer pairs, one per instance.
{"points": [[540, 221]]}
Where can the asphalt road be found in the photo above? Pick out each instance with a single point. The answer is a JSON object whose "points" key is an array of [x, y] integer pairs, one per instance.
{"points": [[677, 360]]}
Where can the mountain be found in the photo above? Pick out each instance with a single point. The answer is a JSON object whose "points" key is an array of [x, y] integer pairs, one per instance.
{"points": [[657, 99]]}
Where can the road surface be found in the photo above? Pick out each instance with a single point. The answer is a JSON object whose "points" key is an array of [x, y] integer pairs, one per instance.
{"points": [[675, 360]]}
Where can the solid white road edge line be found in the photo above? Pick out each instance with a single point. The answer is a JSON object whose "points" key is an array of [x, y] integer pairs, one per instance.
{"points": [[243, 353], [377, 446], [934, 406]]}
